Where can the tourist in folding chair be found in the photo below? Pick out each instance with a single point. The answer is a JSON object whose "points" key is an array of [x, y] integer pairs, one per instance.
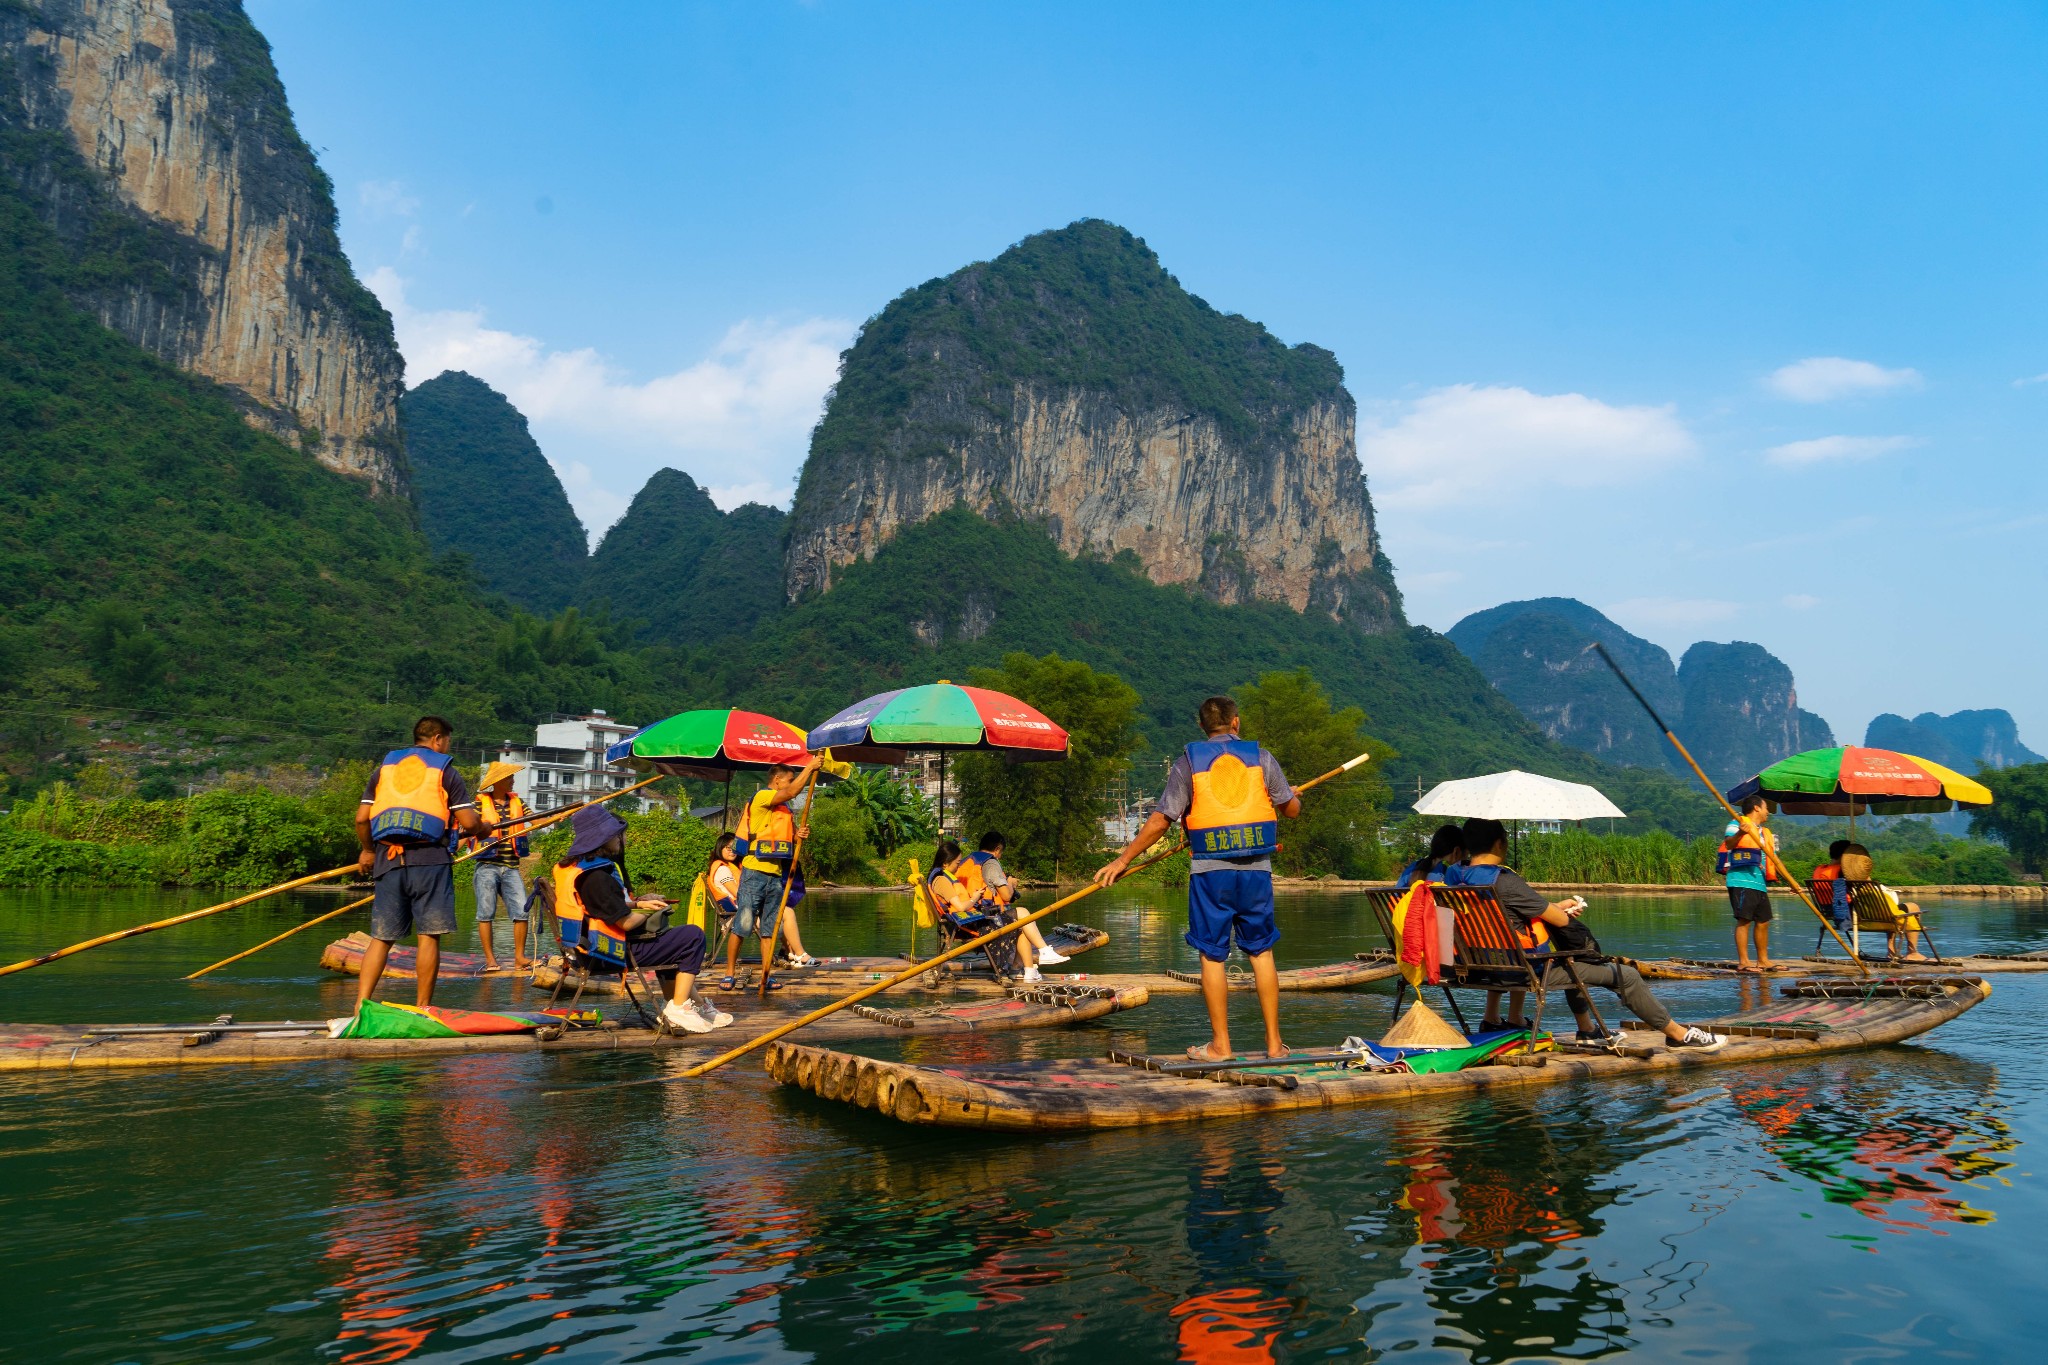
{"points": [[1830, 891], [597, 910], [963, 916], [1540, 923], [1858, 868]]}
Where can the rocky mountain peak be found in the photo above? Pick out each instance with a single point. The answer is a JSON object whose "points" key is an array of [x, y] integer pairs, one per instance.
{"points": [[1073, 382], [174, 160]]}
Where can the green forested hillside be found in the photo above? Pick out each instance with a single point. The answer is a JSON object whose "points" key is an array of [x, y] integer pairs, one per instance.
{"points": [[484, 490], [957, 592], [158, 554], [678, 570]]}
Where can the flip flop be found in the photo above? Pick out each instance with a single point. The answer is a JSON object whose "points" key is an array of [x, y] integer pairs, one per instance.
{"points": [[728, 984], [1285, 1052], [1747, 971], [1200, 1053]]}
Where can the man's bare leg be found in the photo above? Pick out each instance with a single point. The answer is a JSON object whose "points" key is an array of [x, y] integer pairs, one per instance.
{"points": [[732, 954], [429, 967], [1216, 999], [1266, 980], [1763, 945], [487, 935], [374, 958], [1741, 944], [519, 959]]}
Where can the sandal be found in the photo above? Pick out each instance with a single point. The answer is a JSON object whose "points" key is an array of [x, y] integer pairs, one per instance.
{"points": [[1200, 1053], [728, 984]]}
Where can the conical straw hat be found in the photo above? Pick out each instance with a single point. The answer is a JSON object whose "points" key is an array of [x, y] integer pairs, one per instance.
{"points": [[1422, 1026], [497, 773]]}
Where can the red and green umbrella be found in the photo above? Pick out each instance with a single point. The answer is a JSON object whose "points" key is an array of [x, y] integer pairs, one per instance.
{"points": [[937, 718], [711, 745], [1852, 780], [940, 718]]}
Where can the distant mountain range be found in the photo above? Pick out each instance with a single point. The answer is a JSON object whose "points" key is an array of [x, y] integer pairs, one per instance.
{"points": [[1965, 741], [1733, 704]]}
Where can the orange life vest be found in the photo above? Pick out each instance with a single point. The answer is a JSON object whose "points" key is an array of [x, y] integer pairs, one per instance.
{"points": [[775, 841], [509, 848], [1231, 813], [1741, 851], [975, 879], [409, 806], [600, 938], [949, 893], [723, 882]]}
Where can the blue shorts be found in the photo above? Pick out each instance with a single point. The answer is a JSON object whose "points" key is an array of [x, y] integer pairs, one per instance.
{"points": [[414, 900], [1227, 905], [760, 895]]}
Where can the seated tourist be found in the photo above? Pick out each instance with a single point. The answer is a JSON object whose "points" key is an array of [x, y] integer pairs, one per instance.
{"points": [[1835, 905], [1535, 920], [1858, 867], [1446, 848], [955, 888], [999, 890]]}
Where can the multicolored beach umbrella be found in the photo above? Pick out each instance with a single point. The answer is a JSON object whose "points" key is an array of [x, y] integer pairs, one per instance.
{"points": [[938, 718], [711, 745], [1852, 780]]}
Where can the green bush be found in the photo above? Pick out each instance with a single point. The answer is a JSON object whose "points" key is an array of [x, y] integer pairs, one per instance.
{"points": [[1577, 855], [29, 857], [256, 838], [838, 849]]}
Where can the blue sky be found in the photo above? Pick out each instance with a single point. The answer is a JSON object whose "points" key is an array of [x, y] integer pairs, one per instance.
{"points": [[1727, 319]]}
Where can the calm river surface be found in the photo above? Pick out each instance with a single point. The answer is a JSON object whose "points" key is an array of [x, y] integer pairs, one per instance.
{"points": [[1878, 1206]]}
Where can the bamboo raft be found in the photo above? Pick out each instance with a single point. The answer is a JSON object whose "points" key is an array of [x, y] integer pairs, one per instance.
{"points": [[840, 975], [1979, 964], [72, 1047], [1360, 969], [1813, 1017]]}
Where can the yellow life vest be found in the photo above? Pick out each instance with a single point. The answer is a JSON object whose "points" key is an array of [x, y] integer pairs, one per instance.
{"points": [[1231, 813], [774, 841], [409, 806], [510, 848]]}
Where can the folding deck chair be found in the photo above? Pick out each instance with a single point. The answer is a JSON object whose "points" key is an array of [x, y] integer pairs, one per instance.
{"points": [[1487, 954]]}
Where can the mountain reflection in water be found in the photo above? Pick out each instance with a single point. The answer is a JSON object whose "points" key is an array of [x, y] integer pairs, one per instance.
{"points": [[1873, 1203]]}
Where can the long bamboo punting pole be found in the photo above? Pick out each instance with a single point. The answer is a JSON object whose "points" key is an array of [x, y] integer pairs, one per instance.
{"points": [[971, 945], [531, 821], [1772, 864], [185, 918]]}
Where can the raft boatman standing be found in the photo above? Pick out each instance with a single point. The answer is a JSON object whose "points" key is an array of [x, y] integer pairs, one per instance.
{"points": [[1227, 793], [1744, 862], [415, 799], [497, 854]]}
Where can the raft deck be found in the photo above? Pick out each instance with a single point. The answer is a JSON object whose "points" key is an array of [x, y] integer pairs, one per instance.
{"points": [[1814, 1016], [74, 1047]]}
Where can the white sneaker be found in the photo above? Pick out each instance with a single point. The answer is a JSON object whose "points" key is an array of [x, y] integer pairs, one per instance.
{"points": [[1048, 958], [803, 960], [1031, 974], [718, 1017], [683, 1015]]}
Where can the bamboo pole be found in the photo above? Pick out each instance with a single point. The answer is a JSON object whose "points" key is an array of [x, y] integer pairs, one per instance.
{"points": [[774, 940], [971, 945], [1772, 863], [185, 918], [531, 821]]}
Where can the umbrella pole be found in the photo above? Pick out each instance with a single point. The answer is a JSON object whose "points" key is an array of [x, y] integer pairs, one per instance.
{"points": [[1773, 865], [725, 811], [942, 793]]}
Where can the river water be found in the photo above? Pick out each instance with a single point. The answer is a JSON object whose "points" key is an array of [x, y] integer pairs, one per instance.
{"points": [[1875, 1206]]}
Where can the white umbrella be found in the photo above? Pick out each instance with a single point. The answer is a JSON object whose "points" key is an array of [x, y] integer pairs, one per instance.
{"points": [[1516, 795]]}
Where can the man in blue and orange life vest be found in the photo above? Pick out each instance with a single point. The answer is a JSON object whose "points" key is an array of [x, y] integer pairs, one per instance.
{"points": [[1226, 792], [415, 798], [768, 836], [497, 856], [1744, 862]]}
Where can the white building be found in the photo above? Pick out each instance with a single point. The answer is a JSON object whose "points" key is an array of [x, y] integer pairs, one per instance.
{"points": [[565, 763]]}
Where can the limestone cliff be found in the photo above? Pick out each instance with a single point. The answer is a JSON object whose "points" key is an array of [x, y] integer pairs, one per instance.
{"points": [[213, 224], [1073, 382]]}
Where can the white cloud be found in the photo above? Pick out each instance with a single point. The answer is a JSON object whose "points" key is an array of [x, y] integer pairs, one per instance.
{"points": [[1653, 613], [1821, 378], [1453, 441], [1801, 601], [738, 421], [2030, 380], [387, 198], [1822, 448]]}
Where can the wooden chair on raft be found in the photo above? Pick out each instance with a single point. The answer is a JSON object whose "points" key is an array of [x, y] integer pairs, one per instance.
{"points": [[1869, 909], [1487, 954], [1002, 955]]}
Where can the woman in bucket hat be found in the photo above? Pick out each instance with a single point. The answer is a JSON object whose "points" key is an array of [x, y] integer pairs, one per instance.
{"points": [[591, 885]]}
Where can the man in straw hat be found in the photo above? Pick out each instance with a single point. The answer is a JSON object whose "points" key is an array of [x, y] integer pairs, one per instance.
{"points": [[591, 886], [497, 863]]}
